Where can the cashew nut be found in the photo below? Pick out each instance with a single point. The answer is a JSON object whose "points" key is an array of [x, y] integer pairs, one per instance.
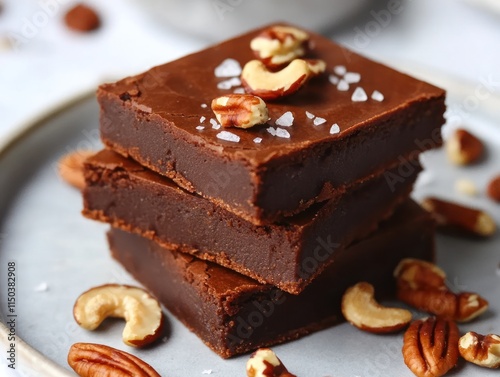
{"points": [[360, 309], [141, 311], [260, 81]]}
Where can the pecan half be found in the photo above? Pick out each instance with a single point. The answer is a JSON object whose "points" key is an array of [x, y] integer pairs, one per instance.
{"points": [[97, 360], [70, 167], [422, 285], [430, 347], [494, 189], [458, 218], [240, 110]]}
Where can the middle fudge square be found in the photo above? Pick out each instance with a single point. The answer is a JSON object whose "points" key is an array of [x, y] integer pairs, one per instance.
{"points": [[288, 255], [350, 123]]}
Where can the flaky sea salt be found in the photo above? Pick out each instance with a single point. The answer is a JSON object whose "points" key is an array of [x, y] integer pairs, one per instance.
{"points": [[228, 68], [281, 132], [317, 121], [200, 127], [214, 124], [334, 129], [333, 79], [229, 83], [286, 120], [228, 136], [226, 84], [271, 130], [340, 70], [257, 140], [359, 95], [204, 105], [352, 77], [377, 96], [202, 119], [239, 91], [343, 86], [309, 115]]}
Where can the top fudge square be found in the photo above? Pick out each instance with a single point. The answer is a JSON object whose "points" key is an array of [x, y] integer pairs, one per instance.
{"points": [[345, 126]]}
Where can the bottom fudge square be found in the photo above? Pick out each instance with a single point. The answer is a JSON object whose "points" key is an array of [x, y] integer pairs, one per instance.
{"points": [[288, 255], [218, 304]]}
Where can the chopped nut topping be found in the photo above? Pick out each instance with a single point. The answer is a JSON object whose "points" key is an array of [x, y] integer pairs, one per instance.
{"points": [[240, 110], [279, 45]]}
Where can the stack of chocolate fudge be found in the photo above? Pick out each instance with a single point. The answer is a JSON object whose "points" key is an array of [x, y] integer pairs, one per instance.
{"points": [[251, 236]]}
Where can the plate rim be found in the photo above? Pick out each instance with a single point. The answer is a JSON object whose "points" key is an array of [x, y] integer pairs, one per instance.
{"points": [[31, 357]]}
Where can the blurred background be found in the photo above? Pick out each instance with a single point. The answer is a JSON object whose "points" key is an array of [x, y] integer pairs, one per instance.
{"points": [[48, 56]]}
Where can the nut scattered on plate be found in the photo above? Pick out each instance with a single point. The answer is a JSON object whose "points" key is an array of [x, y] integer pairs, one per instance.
{"points": [[70, 167], [461, 219], [265, 363], [421, 285], [419, 274], [463, 148], [494, 189], [482, 350], [361, 310], [466, 187], [82, 18], [141, 311], [430, 347], [97, 360]]}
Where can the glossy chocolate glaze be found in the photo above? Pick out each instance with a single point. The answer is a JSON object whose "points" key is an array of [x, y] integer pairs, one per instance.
{"points": [[152, 117], [233, 314], [288, 255]]}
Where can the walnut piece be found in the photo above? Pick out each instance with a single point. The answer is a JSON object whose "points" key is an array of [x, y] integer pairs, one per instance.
{"points": [[279, 45], [482, 350], [265, 363]]}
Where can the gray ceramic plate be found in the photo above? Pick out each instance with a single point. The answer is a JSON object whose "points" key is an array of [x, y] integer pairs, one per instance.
{"points": [[58, 254]]}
